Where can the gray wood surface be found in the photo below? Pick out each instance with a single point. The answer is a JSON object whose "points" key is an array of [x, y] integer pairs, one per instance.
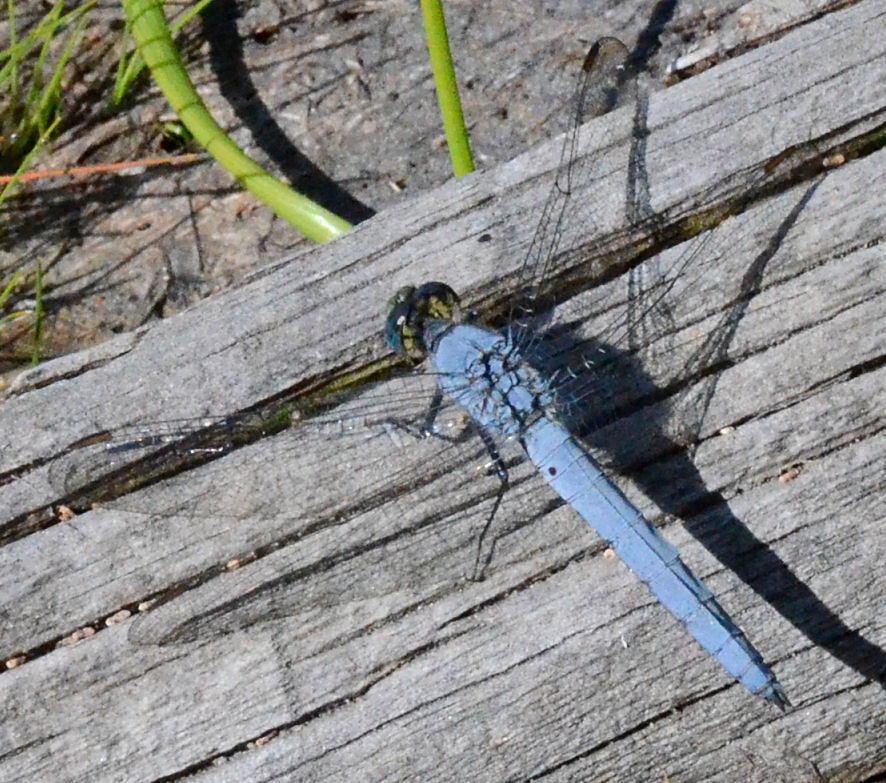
{"points": [[348, 643]]}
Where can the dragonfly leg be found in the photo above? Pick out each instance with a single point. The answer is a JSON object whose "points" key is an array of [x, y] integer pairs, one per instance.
{"points": [[481, 562], [433, 411], [427, 428]]}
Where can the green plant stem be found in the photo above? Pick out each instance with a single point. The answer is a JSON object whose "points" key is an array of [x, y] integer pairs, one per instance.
{"points": [[155, 43], [6, 293], [447, 88], [13, 46], [129, 68]]}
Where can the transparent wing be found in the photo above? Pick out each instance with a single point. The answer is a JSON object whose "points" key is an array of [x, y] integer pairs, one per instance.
{"points": [[606, 82], [354, 497], [630, 342], [657, 338], [590, 344], [125, 458], [325, 559], [396, 413]]}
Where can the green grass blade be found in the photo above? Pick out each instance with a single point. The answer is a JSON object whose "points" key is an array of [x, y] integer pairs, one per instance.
{"points": [[186, 17], [44, 137], [447, 88], [33, 93], [127, 68], [51, 93], [10, 287], [17, 277], [156, 46], [31, 82], [13, 59], [38, 314]]}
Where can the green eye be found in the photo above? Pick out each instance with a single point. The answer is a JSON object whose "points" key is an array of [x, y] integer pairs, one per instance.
{"points": [[411, 308], [396, 327]]}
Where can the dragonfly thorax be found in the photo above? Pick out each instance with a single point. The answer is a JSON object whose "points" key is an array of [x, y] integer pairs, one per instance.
{"points": [[485, 373]]}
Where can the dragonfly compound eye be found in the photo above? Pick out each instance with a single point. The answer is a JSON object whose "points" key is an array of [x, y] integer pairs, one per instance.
{"points": [[411, 308], [397, 331], [438, 300]]}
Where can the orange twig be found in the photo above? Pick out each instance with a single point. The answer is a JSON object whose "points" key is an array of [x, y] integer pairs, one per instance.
{"points": [[177, 160]]}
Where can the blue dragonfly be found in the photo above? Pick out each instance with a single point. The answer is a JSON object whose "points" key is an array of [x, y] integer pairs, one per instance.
{"points": [[517, 385], [488, 374], [491, 375]]}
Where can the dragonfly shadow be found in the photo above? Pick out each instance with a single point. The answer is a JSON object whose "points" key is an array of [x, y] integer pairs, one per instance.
{"points": [[611, 403]]}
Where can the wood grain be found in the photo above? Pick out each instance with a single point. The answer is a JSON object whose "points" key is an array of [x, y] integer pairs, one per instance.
{"points": [[558, 665]]}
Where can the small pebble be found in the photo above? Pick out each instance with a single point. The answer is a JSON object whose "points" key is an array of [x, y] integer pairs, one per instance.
{"points": [[832, 161], [118, 617]]}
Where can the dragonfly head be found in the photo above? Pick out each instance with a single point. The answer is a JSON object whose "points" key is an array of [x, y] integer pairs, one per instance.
{"points": [[411, 308]]}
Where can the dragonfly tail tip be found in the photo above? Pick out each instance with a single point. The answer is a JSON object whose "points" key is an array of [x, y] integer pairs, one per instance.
{"points": [[776, 695]]}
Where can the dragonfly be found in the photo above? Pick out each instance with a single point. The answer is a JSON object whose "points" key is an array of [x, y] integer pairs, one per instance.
{"points": [[520, 390], [491, 376]]}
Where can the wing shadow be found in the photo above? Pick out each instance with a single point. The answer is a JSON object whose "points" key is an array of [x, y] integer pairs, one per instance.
{"points": [[625, 391]]}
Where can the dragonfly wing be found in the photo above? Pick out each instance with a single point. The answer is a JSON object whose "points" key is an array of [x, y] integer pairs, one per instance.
{"points": [[342, 511], [654, 338], [397, 408], [607, 82]]}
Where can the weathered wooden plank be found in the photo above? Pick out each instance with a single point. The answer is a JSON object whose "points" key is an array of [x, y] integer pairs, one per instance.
{"points": [[234, 349], [525, 673]]}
